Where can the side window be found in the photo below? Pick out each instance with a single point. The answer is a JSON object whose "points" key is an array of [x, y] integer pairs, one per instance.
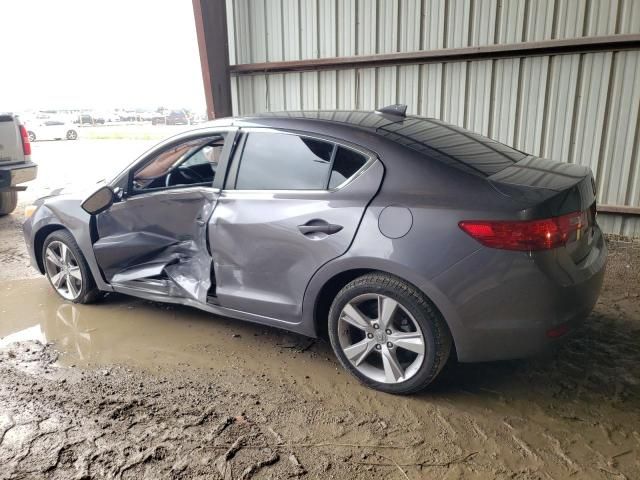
{"points": [[279, 161], [345, 165], [191, 163], [207, 157]]}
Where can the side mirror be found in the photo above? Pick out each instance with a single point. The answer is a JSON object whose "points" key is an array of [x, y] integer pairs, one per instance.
{"points": [[99, 201]]}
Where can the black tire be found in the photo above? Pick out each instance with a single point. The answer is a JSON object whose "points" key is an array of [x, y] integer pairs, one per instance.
{"points": [[89, 293], [31, 136], [72, 135], [436, 334], [8, 202]]}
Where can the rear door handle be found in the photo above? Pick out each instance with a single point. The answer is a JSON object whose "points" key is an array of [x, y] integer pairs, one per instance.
{"points": [[319, 226]]}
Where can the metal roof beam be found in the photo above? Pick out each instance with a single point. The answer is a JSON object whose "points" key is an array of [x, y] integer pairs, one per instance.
{"points": [[526, 49]]}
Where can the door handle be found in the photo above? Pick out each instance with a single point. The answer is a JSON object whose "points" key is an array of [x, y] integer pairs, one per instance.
{"points": [[201, 222], [319, 226]]}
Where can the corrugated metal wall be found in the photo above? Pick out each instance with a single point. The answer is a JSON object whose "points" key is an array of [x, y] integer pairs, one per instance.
{"points": [[581, 108]]}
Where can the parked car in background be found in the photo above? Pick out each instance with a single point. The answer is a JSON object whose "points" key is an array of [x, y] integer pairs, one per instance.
{"points": [[199, 118], [403, 239], [88, 119], [128, 116], [173, 117], [50, 130], [16, 166], [146, 116], [109, 117]]}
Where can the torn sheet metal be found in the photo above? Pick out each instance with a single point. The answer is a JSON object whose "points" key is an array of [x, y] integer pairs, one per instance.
{"points": [[159, 242]]}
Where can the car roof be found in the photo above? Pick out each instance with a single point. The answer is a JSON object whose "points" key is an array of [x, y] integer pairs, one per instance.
{"points": [[439, 140], [362, 120]]}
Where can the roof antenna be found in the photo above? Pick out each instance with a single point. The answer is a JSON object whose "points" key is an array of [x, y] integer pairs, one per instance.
{"points": [[398, 110]]}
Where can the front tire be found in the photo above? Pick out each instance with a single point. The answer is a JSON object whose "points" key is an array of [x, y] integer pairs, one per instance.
{"points": [[72, 135], [388, 334], [31, 136], [8, 202], [67, 269]]}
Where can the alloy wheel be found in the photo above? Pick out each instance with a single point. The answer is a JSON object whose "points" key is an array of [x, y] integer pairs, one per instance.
{"points": [[63, 270], [72, 135], [381, 338]]}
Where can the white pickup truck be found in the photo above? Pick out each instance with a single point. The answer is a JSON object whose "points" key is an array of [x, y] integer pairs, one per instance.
{"points": [[16, 166]]}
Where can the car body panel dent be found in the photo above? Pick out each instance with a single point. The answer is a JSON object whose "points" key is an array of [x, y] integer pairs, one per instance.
{"points": [[159, 236], [260, 236]]}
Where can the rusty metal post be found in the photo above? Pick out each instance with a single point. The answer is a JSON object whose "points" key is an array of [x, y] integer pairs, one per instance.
{"points": [[213, 44]]}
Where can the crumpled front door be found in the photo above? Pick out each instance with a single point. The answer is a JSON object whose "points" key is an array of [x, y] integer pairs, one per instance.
{"points": [[157, 242]]}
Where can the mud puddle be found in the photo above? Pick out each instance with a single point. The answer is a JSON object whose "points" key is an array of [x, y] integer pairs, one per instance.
{"points": [[140, 389], [125, 330]]}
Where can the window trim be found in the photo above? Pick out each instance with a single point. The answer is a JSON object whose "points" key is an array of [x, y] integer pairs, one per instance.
{"points": [[236, 159], [228, 136]]}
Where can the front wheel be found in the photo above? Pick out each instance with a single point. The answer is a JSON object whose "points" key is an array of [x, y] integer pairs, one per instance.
{"points": [[67, 269], [388, 334], [31, 136], [72, 135]]}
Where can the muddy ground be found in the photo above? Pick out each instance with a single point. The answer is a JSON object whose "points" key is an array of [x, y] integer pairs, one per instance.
{"points": [[134, 389]]}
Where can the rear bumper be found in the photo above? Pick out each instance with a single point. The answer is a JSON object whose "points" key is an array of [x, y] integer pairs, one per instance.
{"points": [[17, 173], [514, 305]]}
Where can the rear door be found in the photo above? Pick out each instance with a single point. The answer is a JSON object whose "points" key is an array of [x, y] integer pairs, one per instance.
{"points": [[155, 239], [53, 129], [291, 203]]}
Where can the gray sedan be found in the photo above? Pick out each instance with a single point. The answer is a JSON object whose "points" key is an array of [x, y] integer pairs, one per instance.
{"points": [[403, 240]]}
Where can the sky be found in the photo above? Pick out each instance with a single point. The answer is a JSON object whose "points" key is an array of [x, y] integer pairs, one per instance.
{"points": [[100, 55]]}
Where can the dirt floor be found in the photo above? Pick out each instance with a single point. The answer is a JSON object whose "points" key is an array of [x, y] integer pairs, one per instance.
{"points": [[134, 389]]}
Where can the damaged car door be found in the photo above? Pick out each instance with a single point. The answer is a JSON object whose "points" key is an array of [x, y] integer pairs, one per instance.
{"points": [[155, 239], [291, 203]]}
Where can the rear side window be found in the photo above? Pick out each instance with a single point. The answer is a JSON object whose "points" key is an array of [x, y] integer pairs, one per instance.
{"points": [[345, 165], [278, 161]]}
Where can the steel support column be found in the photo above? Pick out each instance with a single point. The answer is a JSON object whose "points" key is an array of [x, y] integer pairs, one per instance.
{"points": [[213, 44]]}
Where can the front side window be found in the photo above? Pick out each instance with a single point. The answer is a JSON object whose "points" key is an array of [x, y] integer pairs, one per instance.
{"points": [[279, 161], [190, 163]]}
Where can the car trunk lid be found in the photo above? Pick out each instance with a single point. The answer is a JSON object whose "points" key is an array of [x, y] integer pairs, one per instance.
{"points": [[553, 189]]}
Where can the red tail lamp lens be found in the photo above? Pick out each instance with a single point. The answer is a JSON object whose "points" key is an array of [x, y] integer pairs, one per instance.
{"points": [[529, 235], [26, 145]]}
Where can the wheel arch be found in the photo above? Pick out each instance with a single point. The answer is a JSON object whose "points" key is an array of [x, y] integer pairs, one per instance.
{"points": [[330, 279], [326, 295], [40, 237]]}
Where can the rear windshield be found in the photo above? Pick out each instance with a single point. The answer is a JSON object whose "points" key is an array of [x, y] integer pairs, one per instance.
{"points": [[452, 145]]}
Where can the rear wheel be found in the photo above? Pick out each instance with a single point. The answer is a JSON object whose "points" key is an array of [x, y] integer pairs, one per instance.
{"points": [[8, 202], [72, 135], [388, 334], [67, 269]]}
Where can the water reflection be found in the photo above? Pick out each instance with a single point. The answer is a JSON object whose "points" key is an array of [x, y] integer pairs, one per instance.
{"points": [[73, 335], [126, 330]]}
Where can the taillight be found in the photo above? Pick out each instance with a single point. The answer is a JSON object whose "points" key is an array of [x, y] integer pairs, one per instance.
{"points": [[527, 235], [26, 144]]}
